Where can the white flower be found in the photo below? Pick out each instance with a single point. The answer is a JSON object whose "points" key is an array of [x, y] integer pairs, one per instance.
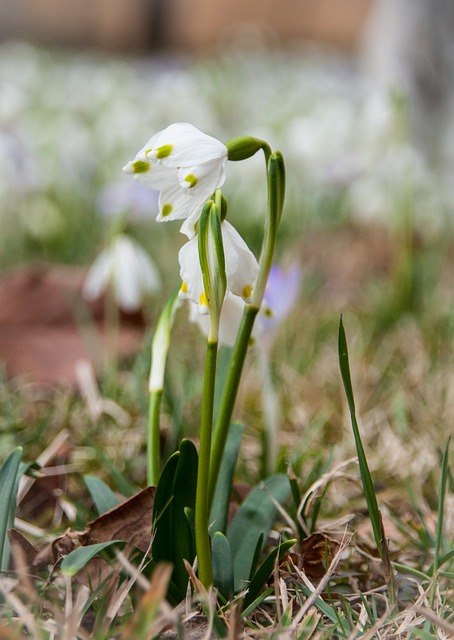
{"points": [[231, 315], [241, 268], [186, 166], [127, 269]]}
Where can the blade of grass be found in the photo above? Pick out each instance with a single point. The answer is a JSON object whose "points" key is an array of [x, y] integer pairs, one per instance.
{"points": [[441, 507], [368, 485]]}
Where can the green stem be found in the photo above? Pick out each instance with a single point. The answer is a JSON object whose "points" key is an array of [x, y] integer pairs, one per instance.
{"points": [[276, 188], [153, 438], [229, 396], [202, 537]]}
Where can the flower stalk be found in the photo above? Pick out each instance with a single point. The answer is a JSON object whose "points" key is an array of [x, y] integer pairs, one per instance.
{"points": [[212, 262], [276, 194], [159, 351]]}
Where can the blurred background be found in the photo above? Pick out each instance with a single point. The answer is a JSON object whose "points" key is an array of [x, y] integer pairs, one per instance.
{"points": [[357, 94]]}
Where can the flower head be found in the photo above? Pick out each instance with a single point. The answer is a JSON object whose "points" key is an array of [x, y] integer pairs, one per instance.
{"points": [[185, 166], [127, 269], [241, 268]]}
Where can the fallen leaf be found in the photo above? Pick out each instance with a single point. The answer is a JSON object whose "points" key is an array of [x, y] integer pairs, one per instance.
{"points": [[315, 555], [130, 521]]}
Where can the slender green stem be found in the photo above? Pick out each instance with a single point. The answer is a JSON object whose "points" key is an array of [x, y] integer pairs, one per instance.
{"points": [[153, 438], [276, 188], [229, 396], [202, 537]]}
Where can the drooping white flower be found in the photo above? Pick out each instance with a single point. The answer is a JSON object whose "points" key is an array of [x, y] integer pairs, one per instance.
{"points": [[186, 166], [231, 315], [127, 269], [241, 268]]}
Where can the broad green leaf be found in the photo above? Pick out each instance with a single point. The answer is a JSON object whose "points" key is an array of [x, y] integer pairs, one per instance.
{"points": [[264, 571], [184, 490], [255, 516], [256, 556], [221, 556], [9, 480], [102, 495], [77, 559], [220, 507], [368, 485], [175, 497], [164, 490]]}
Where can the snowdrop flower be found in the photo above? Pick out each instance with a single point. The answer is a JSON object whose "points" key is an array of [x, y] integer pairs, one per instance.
{"points": [[125, 267], [185, 166], [231, 315], [241, 268]]}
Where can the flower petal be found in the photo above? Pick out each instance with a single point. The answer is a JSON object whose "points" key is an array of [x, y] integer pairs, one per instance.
{"points": [[192, 287], [175, 204], [241, 265], [203, 178], [181, 144]]}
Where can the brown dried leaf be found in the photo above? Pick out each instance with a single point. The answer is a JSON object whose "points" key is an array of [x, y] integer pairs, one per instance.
{"points": [[130, 521], [29, 551], [315, 555]]}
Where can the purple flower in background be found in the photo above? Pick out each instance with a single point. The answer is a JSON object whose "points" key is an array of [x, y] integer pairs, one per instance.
{"points": [[282, 290], [128, 196]]}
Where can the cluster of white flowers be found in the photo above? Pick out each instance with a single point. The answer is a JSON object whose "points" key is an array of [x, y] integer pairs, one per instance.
{"points": [[187, 166], [335, 131]]}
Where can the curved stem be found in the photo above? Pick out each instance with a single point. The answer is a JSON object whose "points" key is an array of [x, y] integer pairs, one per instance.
{"points": [[202, 537]]}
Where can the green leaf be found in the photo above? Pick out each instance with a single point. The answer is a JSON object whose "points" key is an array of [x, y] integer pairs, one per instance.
{"points": [[173, 538], [368, 485], [221, 556], [255, 516], [184, 499], [264, 571], [102, 495], [220, 507], [77, 559], [9, 480], [256, 556]]}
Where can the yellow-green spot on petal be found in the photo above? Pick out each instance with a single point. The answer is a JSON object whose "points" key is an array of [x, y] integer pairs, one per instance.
{"points": [[191, 179], [166, 210], [140, 166], [269, 312], [184, 287], [247, 292], [164, 151], [203, 300]]}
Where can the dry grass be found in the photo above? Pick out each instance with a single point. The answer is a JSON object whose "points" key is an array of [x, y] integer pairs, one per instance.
{"points": [[403, 381]]}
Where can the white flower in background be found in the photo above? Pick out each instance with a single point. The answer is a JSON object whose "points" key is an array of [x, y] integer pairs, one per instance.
{"points": [[185, 166], [127, 269], [241, 268]]}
